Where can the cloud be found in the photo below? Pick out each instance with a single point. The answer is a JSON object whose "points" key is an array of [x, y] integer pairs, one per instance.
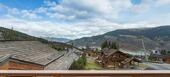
{"points": [[143, 7], [87, 9], [77, 30], [27, 14], [163, 2], [147, 5], [83, 18]]}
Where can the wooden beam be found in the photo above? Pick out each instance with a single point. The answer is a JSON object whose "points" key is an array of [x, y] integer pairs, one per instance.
{"points": [[57, 76], [2, 75]]}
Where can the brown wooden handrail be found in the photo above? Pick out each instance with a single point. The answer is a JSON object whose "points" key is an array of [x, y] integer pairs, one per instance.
{"points": [[88, 73]]}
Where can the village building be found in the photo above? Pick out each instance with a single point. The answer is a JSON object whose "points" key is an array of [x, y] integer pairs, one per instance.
{"points": [[4, 59], [160, 58], [91, 52], [27, 60], [166, 59], [111, 58], [33, 55]]}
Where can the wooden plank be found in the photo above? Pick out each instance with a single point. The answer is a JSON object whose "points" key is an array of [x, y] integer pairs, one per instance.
{"points": [[112, 73], [2, 75], [91, 75], [57, 76]]}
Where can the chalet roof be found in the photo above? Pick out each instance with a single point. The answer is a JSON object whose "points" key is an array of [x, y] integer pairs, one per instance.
{"points": [[30, 51], [4, 58], [109, 52], [64, 62]]}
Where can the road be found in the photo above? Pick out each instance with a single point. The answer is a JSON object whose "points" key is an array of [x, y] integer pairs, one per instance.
{"points": [[157, 66]]}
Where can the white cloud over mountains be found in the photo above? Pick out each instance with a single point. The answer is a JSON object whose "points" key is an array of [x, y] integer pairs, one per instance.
{"points": [[77, 30], [82, 18]]}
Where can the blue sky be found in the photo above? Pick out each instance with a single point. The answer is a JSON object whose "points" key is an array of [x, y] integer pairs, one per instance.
{"points": [[81, 18], [23, 4], [136, 2]]}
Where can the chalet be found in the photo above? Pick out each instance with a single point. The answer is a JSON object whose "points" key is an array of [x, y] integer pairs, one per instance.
{"points": [[16, 62], [161, 58], [4, 59], [157, 56], [91, 53], [33, 55], [115, 59], [166, 59]]}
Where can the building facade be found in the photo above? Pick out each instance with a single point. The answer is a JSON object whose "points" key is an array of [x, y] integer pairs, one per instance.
{"points": [[111, 58]]}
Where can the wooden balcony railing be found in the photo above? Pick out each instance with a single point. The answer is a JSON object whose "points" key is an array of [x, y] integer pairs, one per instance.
{"points": [[89, 73]]}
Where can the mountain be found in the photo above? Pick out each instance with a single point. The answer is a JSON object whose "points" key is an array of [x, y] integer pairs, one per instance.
{"points": [[130, 39], [63, 40], [13, 35]]}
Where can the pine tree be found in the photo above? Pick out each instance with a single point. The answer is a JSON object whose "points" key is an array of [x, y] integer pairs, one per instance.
{"points": [[79, 64], [104, 44]]}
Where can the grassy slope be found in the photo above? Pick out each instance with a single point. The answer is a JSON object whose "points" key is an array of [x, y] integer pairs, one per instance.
{"points": [[91, 65], [12, 35]]}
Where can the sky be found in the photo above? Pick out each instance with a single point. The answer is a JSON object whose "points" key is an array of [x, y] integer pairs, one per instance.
{"points": [[81, 18]]}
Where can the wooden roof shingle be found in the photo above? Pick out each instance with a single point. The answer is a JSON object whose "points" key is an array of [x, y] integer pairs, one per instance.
{"points": [[30, 51]]}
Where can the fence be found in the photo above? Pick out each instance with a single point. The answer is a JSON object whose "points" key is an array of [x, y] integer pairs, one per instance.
{"points": [[89, 73]]}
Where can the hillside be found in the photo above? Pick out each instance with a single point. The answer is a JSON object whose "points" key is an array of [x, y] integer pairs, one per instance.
{"points": [[130, 39], [13, 35], [63, 40]]}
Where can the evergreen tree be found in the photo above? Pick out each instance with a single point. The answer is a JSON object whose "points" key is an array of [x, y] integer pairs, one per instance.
{"points": [[104, 44], [114, 45], [110, 45], [79, 64]]}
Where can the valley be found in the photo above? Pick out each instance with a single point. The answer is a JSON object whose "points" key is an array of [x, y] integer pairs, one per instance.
{"points": [[126, 49]]}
